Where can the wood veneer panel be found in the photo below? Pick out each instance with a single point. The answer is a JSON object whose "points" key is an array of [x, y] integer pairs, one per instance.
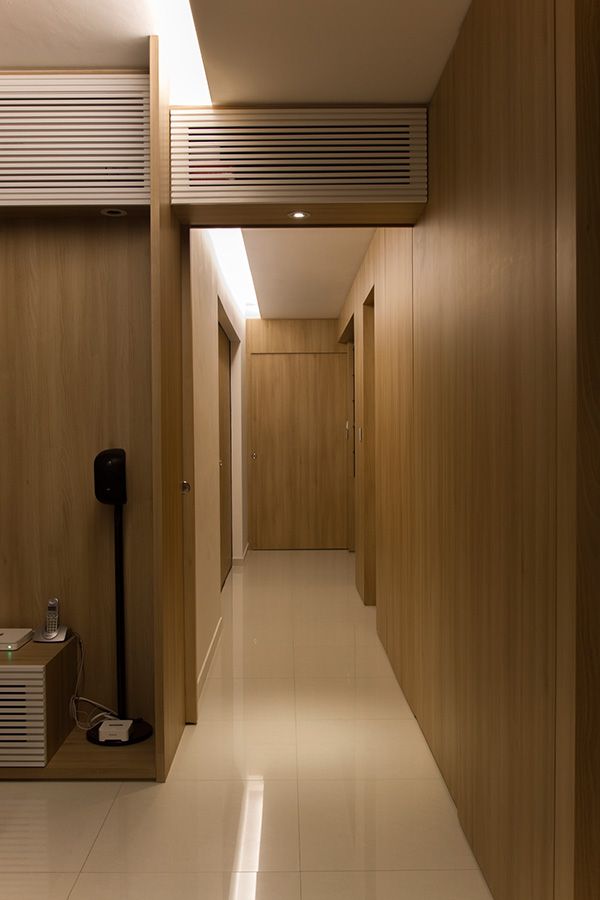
{"points": [[367, 452], [566, 409], [350, 445], [272, 214], [74, 379], [587, 822], [485, 440], [361, 288], [293, 336], [190, 569], [205, 479], [167, 431], [396, 606], [298, 434], [225, 453]]}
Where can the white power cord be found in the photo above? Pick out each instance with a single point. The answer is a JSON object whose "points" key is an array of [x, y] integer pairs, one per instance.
{"points": [[85, 720]]}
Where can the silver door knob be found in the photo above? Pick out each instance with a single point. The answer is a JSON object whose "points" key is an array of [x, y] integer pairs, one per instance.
{"points": [[185, 487], [253, 454]]}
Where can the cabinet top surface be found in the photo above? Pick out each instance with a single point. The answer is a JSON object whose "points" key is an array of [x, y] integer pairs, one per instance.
{"points": [[32, 654]]}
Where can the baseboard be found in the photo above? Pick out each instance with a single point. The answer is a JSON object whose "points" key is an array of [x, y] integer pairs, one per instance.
{"points": [[240, 559], [209, 657]]}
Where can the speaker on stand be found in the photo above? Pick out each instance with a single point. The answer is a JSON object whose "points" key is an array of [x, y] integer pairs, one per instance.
{"points": [[110, 485]]}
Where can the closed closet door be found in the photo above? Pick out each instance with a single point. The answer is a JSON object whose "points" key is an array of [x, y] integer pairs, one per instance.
{"points": [[298, 454], [225, 452]]}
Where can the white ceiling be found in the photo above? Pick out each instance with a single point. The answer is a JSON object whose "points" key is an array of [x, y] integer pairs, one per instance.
{"points": [[325, 51], [304, 273], [77, 33]]}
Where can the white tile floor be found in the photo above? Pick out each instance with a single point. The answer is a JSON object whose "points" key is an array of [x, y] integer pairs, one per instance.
{"points": [[306, 778]]}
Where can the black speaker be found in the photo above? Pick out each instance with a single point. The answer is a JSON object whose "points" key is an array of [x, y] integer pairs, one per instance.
{"points": [[109, 477]]}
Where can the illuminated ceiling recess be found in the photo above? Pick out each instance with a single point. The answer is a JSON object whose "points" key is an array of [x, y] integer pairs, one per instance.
{"points": [[230, 251], [188, 85]]}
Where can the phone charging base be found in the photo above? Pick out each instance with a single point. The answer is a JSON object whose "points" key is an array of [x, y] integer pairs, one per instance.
{"points": [[40, 636], [139, 731]]}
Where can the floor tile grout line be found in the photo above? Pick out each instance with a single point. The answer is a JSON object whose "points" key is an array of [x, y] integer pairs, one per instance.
{"points": [[328, 778], [74, 885], [102, 824]]}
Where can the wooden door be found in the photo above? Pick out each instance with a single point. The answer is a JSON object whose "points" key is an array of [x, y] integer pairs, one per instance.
{"points": [[225, 452], [368, 453], [298, 465], [350, 445]]}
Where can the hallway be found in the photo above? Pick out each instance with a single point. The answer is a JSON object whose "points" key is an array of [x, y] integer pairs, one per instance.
{"points": [[306, 766]]}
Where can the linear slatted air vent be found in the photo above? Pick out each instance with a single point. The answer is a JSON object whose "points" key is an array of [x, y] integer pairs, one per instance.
{"points": [[22, 716], [291, 155], [69, 140]]}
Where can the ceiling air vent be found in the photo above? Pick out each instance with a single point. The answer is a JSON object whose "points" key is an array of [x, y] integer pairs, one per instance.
{"points": [[74, 140], [363, 165]]}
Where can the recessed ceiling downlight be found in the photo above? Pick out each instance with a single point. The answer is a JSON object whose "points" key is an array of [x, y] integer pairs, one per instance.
{"points": [[113, 212], [298, 215]]}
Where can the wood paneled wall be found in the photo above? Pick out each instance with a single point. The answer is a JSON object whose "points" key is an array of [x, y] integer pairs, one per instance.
{"points": [[466, 424], [566, 484], [203, 533], [485, 440], [587, 171], [167, 429], [297, 431], [75, 378], [363, 295]]}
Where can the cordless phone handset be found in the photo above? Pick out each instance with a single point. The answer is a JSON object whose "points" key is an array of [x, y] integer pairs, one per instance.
{"points": [[51, 627], [51, 631]]}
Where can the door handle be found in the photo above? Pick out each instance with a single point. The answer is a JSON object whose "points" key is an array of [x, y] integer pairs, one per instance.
{"points": [[185, 487], [253, 454]]}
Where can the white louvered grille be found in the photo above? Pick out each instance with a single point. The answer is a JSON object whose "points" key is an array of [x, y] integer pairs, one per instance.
{"points": [[312, 155], [74, 140], [22, 716]]}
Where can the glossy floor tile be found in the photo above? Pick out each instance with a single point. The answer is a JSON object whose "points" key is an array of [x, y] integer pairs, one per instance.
{"points": [[306, 778], [244, 749], [37, 886], [362, 749], [50, 827], [208, 886], [468, 885], [364, 825], [350, 698], [200, 826], [271, 699]]}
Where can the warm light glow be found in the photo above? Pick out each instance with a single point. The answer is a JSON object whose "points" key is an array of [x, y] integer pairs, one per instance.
{"points": [[179, 41], [230, 252], [188, 86], [247, 851]]}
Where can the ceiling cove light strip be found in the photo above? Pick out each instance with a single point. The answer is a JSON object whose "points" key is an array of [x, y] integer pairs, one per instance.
{"points": [[188, 85], [230, 251]]}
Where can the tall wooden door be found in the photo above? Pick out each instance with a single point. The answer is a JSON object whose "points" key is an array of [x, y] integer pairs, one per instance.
{"points": [[225, 452], [298, 453]]}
